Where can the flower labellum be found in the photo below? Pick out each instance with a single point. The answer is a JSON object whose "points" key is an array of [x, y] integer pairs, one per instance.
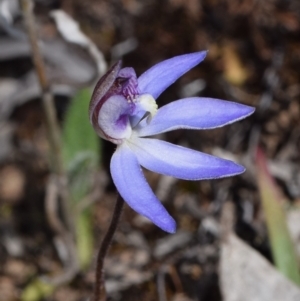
{"points": [[123, 110]]}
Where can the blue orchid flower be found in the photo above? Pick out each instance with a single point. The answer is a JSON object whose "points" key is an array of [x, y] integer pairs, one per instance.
{"points": [[123, 110]]}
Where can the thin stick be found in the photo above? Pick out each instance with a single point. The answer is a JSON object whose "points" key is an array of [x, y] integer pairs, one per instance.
{"points": [[61, 235], [99, 290], [49, 111]]}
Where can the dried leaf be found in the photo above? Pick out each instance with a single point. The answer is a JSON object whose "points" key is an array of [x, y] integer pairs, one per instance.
{"points": [[71, 32], [246, 275], [234, 71]]}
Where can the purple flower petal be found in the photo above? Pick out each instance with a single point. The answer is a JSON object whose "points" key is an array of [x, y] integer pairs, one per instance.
{"points": [[195, 113], [103, 86], [158, 78], [180, 162], [131, 184], [113, 118]]}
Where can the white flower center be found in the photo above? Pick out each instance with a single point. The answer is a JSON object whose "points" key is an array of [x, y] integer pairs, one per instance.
{"points": [[148, 104]]}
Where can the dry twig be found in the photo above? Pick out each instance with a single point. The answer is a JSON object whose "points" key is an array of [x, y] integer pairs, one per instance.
{"points": [[59, 187]]}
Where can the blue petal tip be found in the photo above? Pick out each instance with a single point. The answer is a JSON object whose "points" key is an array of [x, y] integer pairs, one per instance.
{"points": [[167, 226]]}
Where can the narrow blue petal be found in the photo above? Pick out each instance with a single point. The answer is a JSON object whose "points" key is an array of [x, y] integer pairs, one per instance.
{"points": [[180, 162], [133, 187], [158, 78], [195, 113]]}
